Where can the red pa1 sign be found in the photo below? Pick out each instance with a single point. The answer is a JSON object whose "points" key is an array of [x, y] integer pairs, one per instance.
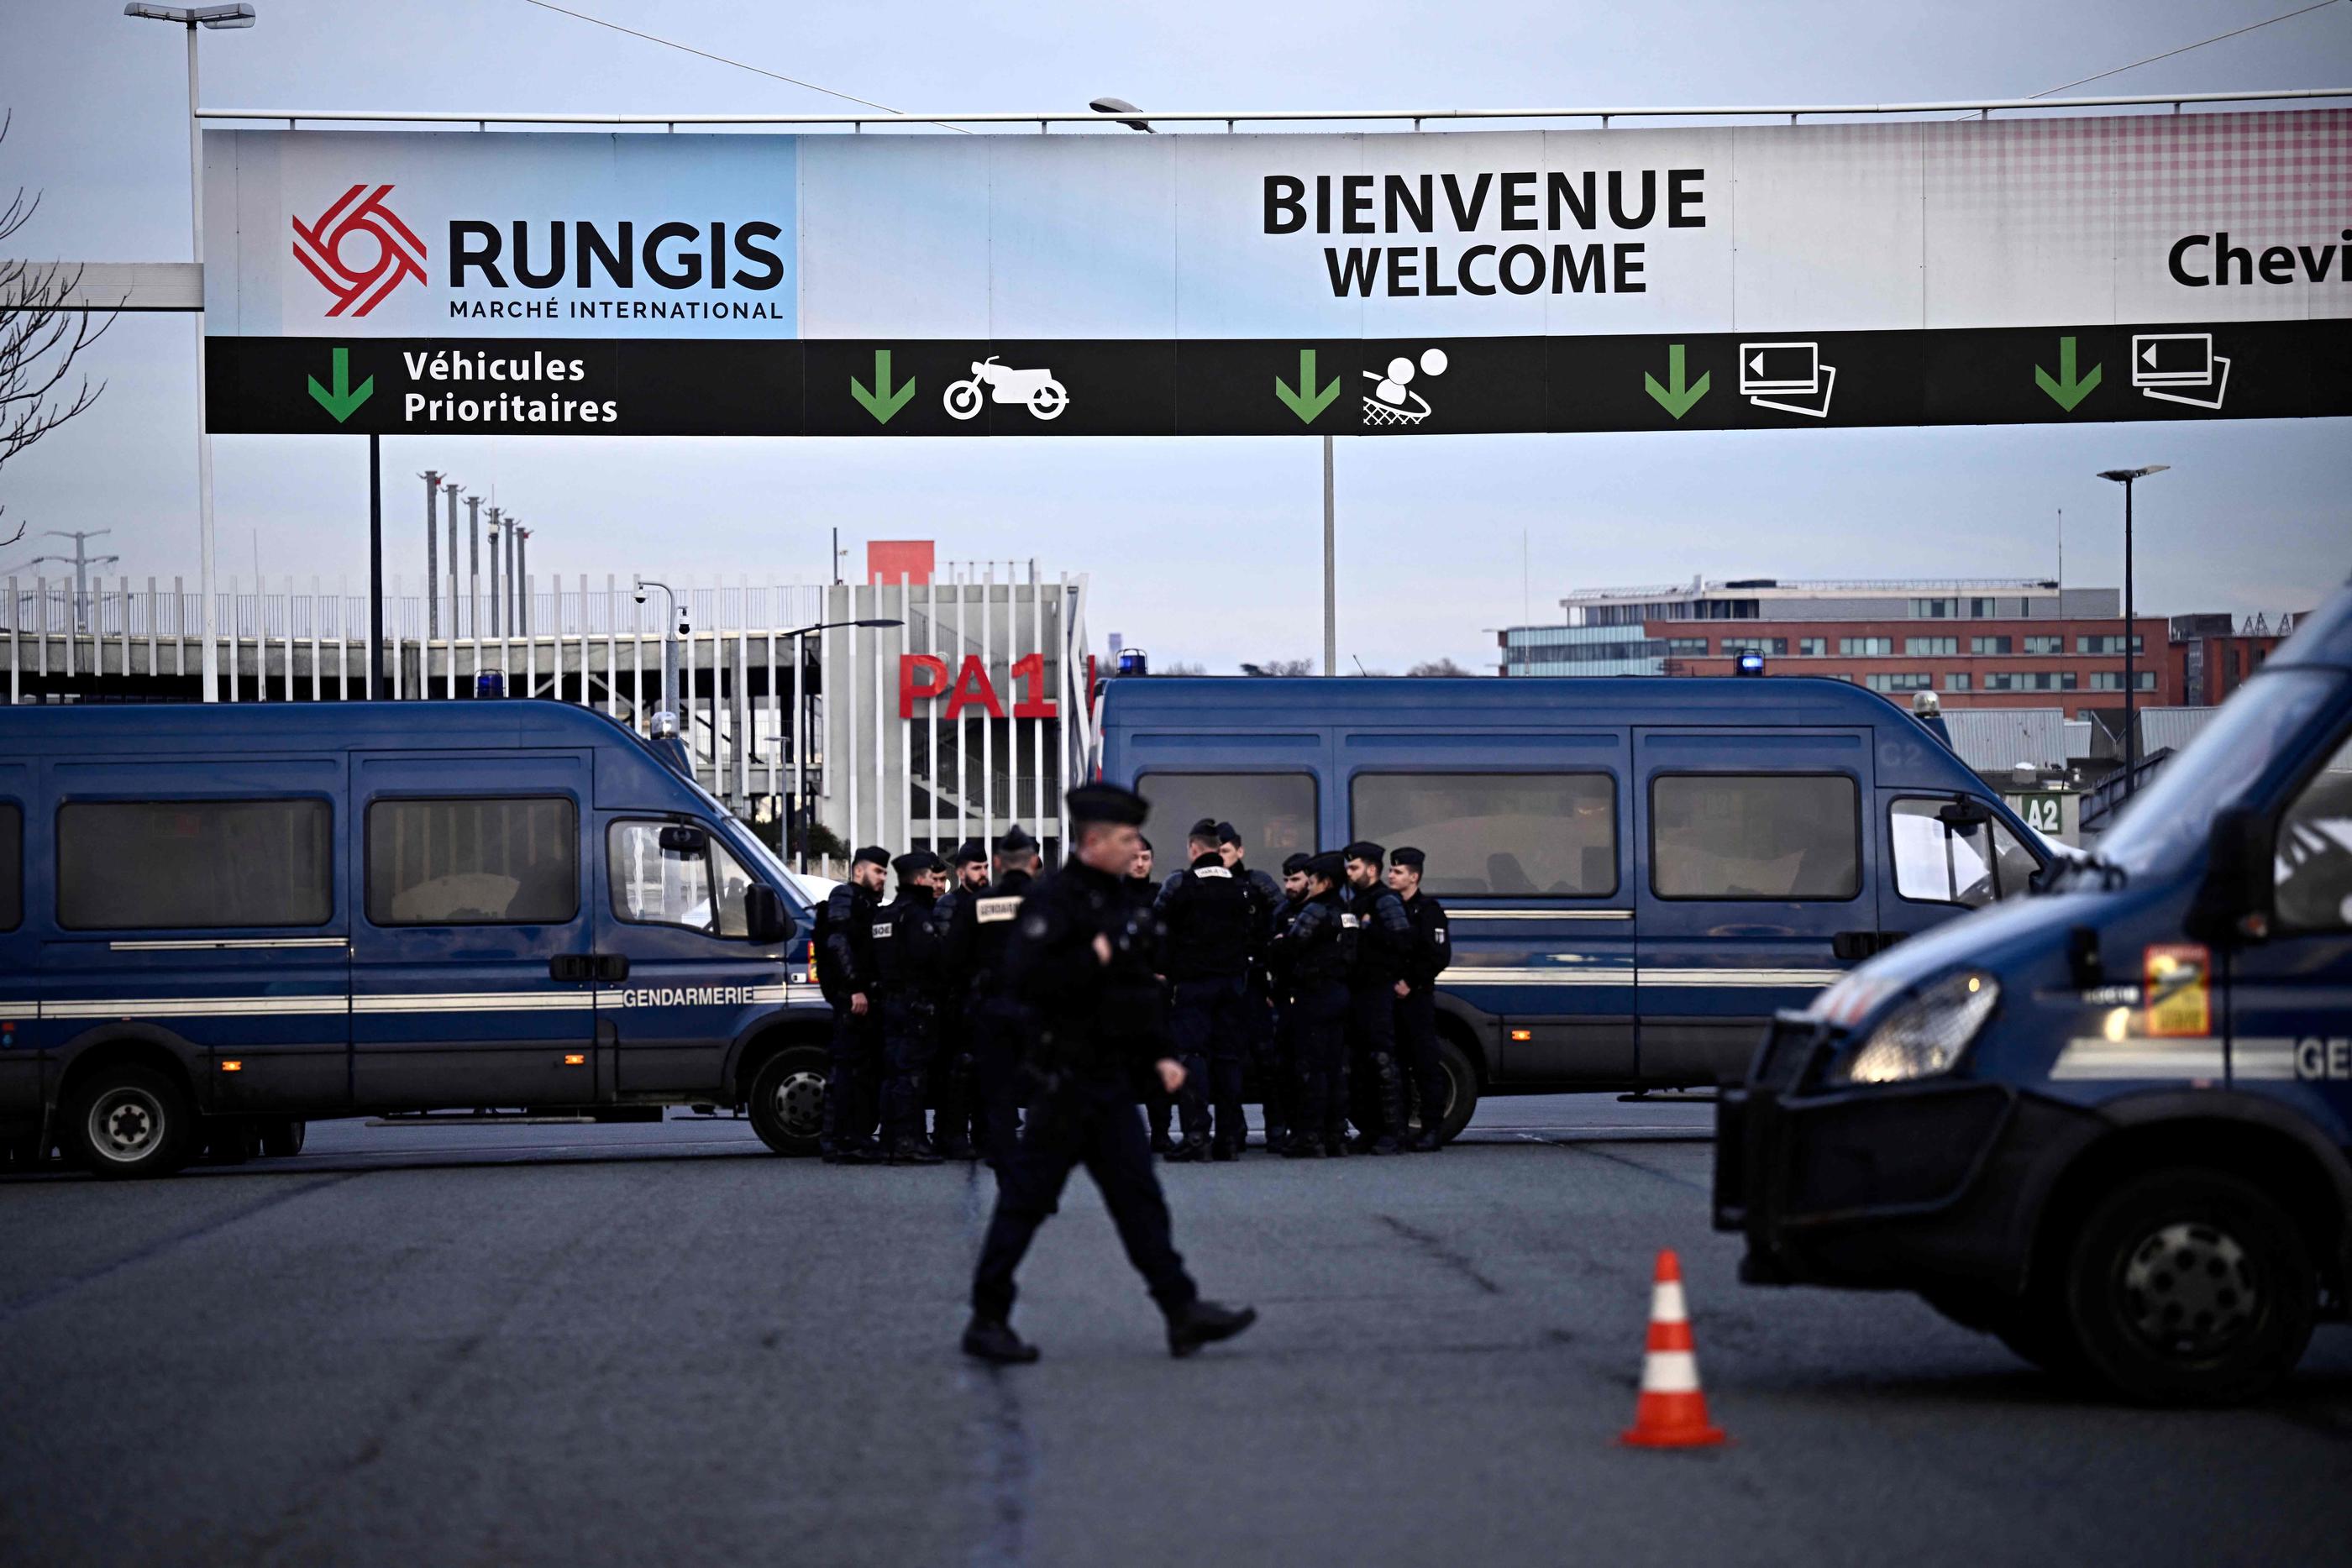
{"points": [[923, 677]]}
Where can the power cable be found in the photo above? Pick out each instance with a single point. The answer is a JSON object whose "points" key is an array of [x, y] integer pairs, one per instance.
{"points": [[2218, 37], [739, 65]]}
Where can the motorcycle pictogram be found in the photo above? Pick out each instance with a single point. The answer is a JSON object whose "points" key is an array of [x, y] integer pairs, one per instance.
{"points": [[1045, 397]]}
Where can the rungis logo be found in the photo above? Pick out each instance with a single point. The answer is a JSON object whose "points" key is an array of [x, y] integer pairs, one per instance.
{"points": [[335, 248]]}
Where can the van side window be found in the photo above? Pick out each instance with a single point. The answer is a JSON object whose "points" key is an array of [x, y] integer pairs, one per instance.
{"points": [[1755, 835], [1512, 834], [2315, 851], [1273, 812], [1971, 865], [511, 861], [178, 865], [654, 886], [11, 865]]}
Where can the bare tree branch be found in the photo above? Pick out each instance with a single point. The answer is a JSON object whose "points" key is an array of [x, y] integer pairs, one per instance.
{"points": [[43, 330]]}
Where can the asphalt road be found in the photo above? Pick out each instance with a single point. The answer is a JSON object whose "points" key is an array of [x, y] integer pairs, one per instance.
{"points": [[656, 1343]]}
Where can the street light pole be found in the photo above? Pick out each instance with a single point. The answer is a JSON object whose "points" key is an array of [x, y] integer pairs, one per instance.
{"points": [[1331, 568], [2125, 476], [190, 18], [432, 553], [473, 568], [449, 488], [495, 591]]}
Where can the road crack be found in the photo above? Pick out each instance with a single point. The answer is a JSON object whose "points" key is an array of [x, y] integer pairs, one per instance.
{"points": [[1437, 1248]]}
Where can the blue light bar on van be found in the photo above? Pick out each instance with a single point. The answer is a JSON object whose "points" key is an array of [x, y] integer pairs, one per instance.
{"points": [[1751, 664], [490, 684]]}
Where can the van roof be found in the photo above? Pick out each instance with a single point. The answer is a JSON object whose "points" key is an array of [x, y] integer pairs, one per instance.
{"points": [[1477, 701], [467, 726]]}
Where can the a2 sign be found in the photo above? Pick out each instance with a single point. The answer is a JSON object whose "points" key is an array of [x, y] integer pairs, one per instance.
{"points": [[923, 677]]}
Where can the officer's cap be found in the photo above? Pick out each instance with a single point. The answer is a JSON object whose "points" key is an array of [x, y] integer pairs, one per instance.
{"points": [[1411, 859], [1331, 865], [1228, 834], [914, 863], [1296, 863], [872, 854], [1015, 840], [1145, 843], [969, 852], [1365, 851], [1107, 803], [1205, 830]]}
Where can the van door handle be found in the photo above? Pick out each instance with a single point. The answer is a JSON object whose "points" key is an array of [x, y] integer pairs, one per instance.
{"points": [[584, 966], [611, 966], [1855, 945]]}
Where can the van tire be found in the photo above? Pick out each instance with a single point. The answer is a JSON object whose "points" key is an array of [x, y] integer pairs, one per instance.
{"points": [[1463, 1075], [2190, 1287], [129, 1122], [787, 1101], [282, 1137]]}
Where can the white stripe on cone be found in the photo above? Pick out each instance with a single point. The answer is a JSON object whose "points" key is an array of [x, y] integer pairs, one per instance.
{"points": [[1666, 1302], [1670, 1372]]}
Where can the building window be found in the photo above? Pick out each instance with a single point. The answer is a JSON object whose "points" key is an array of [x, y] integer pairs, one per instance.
{"points": [[1907, 682], [1686, 645], [1931, 645], [182, 865], [1935, 609], [1812, 647], [1865, 647], [2106, 644], [1988, 645], [1273, 812], [493, 860], [1511, 834], [2030, 681], [655, 887], [1983, 609], [2113, 680], [1755, 836], [1956, 683], [1776, 646], [2045, 644], [11, 865]]}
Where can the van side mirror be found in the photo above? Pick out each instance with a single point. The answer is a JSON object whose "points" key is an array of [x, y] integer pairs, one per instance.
{"points": [[1961, 815], [2234, 903], [765, 919], [683, 841]]}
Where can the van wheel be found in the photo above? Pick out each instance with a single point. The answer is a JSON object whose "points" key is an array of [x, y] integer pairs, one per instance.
{"points": [[788, 1099], [1462, 1099], [129, 1122], [2190, 1287], [282, 1137]]}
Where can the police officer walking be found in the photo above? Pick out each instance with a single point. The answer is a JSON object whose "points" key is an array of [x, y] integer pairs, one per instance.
{"points": [[1210, 918], [1384, 939], [845, 976], [1416, 1008], [1073, 957], [978, 928], [907, 963], [1313, 952]]}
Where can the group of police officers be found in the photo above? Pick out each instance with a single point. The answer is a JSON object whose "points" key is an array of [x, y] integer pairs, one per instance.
{"points": [[1073, 996]]}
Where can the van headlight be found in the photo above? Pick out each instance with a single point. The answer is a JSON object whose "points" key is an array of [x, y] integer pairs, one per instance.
{"points": [[1926, 1035]]}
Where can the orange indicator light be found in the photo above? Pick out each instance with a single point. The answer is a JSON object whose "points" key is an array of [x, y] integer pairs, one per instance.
{"points": [[574, 1058], [232, 1065]]}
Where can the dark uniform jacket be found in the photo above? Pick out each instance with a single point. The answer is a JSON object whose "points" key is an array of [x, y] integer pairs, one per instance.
{"points": [[1102, 1020], [907, 951], [846, 966], [1277, 957], [1212, 918], [1433, 943], [1317, 950], [1384, 940], [977, 930]]}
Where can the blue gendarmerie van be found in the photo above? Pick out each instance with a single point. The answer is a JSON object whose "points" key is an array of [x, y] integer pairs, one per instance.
{"points": [[1638, 871], [218, 921], [2110, 1124]]}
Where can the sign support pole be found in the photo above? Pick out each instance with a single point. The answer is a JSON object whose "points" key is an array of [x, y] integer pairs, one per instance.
{"points": [[1331, 567], [376, 678], [204, 434]]}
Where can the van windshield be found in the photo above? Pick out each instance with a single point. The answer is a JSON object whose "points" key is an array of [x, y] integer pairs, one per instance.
{"points": [[2169, 820]]}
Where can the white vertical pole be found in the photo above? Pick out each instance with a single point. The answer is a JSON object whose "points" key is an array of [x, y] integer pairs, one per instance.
{"points": [[123, 593], [530, 640], [849, 754], [963, 756], [318, 612], [611, 650], [987, 724], [775, 701], [931, 709], [41, 631], [289, 639], [154, 669], [396, 612], [73, 628], [799, 801], [204, 436], [889, 693], [180, 626], [16, 645], [1038, 725], [638, 666], [231, 640], [1064, 683], [342, 642]]}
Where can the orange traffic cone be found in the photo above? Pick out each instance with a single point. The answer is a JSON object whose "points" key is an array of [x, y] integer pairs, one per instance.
{"points": [[1672, 1412]]}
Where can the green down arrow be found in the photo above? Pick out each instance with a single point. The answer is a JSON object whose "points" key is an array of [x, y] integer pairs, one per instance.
{"points": [[1678, 399], [2065, 390], [1305, 400], [345, 400], [882, 402]]}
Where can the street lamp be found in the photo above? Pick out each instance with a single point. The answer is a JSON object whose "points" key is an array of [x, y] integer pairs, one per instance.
{"points": [[218, 18], [2125, 476], [665, 717], [800, 753], [1120, 106]]}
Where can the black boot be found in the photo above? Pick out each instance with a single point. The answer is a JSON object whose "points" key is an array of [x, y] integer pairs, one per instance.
{"points": [[919, 1153], [1302, 1147], [992, 1339], [1204, 1322], [1190, 1152], [958, 1149], [1225, 1151]]}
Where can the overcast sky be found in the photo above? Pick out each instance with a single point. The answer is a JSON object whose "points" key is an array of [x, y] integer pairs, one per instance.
{"points": [[1203, 549]]}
